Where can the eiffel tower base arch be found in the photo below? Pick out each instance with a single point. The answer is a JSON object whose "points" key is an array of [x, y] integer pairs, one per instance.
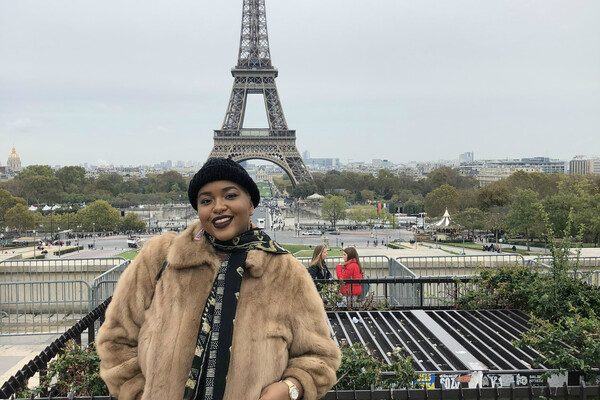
{"points": [[279, 151]]}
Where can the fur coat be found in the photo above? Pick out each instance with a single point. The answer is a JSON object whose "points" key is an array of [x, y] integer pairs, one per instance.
{"points": [[147, 341]]}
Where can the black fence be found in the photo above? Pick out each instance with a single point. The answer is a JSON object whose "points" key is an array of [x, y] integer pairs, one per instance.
{"points": [[513, 393], [499, 393]]}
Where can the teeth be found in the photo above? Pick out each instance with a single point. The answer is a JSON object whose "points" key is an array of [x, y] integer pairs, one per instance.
{"points": [[222, 219]]}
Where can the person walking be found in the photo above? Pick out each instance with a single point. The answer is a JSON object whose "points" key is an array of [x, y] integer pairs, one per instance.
{"points": [[169, 331]]}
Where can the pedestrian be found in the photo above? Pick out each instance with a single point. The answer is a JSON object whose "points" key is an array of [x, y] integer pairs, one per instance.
{"points": [[169, 331], [318, 266], [350, 269]]}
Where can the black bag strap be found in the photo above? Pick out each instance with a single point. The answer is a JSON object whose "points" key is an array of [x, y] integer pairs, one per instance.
{"points": [[162, 269]]}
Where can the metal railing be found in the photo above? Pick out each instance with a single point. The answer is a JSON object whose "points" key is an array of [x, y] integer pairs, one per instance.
{"points": [[104, 284], [35, 308], [399, 292], [587, 268], [584, 263], [85, 269], [40, 302], [373, 266], [466, 265]]}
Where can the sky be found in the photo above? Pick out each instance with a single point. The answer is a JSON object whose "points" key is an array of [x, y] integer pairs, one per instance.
{"points": [[130, 83]]}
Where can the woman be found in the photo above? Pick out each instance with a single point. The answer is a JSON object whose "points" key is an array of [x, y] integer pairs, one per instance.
{"points": [[169, 331], [351, 269], [318, 267]]}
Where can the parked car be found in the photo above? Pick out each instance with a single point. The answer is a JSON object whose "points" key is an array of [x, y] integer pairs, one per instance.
{"points": [[312, 233], [333, 231]]}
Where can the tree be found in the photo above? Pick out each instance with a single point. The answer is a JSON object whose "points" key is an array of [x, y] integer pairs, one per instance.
{"points": [[560, 205], [494, 219], [363, 213], [470, 219], [413, 206], [132, 222], [495, 194], [303, 190], [72, 178], [165, 181], [8, 201], [526, 215], [447, 176], [43, 189], [99, 216], [442, 198], [20, 218], [333, 209]]}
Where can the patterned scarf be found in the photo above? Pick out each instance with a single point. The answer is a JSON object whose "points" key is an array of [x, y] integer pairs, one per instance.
{"points": [[210, 365]]}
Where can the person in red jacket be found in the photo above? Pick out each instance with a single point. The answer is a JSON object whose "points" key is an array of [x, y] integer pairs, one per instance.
{"points": [[351, 269]]}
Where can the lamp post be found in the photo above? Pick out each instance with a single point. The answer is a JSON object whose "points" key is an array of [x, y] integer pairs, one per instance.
{"points": [[94, 235], [273, 226]]}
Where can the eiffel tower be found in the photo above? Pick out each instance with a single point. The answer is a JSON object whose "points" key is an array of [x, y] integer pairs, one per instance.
{"points": [[254, 74]]}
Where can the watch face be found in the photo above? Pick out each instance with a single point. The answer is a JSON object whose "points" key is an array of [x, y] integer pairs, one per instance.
{"points": [[294, 393]]}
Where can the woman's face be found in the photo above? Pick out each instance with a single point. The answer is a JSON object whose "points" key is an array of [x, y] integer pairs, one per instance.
{"points": [[224, 209], [324, 253], [345, 257]]}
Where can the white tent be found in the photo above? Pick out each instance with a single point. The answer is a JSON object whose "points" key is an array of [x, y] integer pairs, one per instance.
{"points": [[445, 221], [33, 208], [315, 196]]}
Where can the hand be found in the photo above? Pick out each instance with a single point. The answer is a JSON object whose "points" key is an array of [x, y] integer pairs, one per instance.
{"points": [[275, 391]]}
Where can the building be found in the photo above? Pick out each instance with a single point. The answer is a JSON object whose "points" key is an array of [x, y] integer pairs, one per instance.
{"points": [[582, 165], [13, 165], [488, 171], [316, 164], [466, 157]]}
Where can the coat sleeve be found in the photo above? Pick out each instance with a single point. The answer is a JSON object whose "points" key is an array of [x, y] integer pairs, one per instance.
{"points": [[313, 355], [313, 270], [117, 341]]}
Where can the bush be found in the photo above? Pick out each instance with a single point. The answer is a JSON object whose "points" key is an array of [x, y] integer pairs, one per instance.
{"points": [[564, 325], [580, 339], [360, 370], [75, 372], [66, 251], [506, 287]]}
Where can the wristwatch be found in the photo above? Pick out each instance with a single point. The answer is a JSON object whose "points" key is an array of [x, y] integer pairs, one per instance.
{"points": [[293, 390]]}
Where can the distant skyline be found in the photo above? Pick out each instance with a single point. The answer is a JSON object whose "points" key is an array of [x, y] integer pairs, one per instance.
{"points": [[131, 83]]}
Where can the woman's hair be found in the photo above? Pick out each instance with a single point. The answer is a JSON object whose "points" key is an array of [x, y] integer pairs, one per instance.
{"points": [[316, 258], [352, 253]]}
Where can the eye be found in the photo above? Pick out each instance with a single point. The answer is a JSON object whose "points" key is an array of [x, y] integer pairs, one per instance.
{"points": [[231, 196], [204, 201]]}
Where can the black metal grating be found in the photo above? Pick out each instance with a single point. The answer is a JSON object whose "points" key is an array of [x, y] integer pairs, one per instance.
{"points": [[447, 346]]}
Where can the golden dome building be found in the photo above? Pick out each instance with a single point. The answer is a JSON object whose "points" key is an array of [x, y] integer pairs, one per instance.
{"points": [[14, 162]]}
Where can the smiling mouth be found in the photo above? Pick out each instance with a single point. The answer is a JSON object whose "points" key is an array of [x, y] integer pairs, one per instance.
{"points": [[222, 222]]}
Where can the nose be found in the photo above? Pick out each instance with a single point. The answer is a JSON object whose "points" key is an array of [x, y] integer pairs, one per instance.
{"points": [[219, 206]]}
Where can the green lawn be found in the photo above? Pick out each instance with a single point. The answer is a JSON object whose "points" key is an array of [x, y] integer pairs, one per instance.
{"points": [[129, 255]]}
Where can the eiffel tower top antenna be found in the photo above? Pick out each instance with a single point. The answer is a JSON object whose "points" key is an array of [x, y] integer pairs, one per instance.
{"points": [[254, 74], [254, 40]]}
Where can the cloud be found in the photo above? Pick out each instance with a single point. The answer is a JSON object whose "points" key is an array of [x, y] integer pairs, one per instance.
{"points": [[24, 124]]}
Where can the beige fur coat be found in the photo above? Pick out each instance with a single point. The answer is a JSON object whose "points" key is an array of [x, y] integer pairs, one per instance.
{"points": [[147, 341]]}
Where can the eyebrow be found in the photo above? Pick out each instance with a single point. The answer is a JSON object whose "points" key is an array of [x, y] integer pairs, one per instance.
{"points": [[223, 190]]}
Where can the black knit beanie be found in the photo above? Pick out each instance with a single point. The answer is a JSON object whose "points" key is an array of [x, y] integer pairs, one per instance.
{"points": [[222, 169]]}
